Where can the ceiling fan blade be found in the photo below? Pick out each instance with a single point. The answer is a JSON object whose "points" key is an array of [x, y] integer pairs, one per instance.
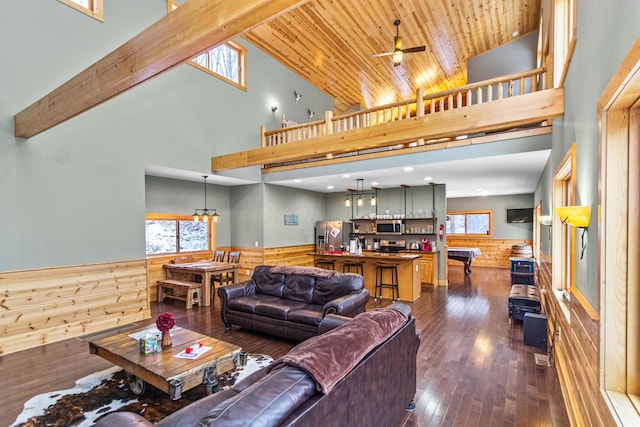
{"points": [[375, 55], [414, 49]]}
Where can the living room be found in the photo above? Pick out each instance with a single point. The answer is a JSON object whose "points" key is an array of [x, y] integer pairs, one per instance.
{"points": [[90, 170]]}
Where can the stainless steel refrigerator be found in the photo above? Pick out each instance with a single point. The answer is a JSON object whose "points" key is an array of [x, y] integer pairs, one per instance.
{"points": [[331, 235]]}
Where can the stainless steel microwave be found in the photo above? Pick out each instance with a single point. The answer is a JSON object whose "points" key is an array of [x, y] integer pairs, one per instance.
{"points": [[389, 226]]}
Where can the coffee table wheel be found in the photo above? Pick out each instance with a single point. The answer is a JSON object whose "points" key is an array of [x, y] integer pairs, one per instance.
{"points": [[136, 385], [210, 380]]}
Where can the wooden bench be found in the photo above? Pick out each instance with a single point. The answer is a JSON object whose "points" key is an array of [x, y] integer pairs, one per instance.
{"points": [[181, 290]]}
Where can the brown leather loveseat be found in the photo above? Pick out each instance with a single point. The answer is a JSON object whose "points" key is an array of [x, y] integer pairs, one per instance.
{"points": [[290, 301], [358, 372]]}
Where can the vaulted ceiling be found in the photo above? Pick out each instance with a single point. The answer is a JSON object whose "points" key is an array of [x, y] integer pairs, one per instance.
{"points": [[330, 43]]}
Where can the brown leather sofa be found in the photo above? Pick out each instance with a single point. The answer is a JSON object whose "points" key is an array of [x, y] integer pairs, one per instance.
{"points": [[290, 301], [372, 380]]}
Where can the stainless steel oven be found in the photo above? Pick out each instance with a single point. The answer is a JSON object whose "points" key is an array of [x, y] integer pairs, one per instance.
{"points": [[389, 226]]}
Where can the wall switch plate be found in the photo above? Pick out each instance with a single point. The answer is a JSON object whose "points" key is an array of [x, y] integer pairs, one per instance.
{"points": [[256, 243]]}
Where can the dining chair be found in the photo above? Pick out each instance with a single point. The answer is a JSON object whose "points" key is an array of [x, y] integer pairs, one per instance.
{"points": [[225, 278], [218, 256]]}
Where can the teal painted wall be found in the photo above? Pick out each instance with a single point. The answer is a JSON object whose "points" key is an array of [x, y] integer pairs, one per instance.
{"points": [[76, 193], [606, 32]]}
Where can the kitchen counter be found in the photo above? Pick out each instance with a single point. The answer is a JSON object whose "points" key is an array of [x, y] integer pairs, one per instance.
{"points": [[408, 270]]}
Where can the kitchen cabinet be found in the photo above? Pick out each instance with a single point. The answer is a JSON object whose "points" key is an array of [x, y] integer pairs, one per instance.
{"points": [[429, 268]]}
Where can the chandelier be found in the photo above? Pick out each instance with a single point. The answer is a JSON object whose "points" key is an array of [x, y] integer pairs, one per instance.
{"points": [[205, 213], [359, 194]]}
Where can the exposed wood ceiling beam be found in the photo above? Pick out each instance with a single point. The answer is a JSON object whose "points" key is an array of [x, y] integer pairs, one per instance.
{"points": [[488, 117], [193, 28]]}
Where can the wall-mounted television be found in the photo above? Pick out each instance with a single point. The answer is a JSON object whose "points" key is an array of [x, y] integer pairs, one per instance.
{"points": [[522, 215]]}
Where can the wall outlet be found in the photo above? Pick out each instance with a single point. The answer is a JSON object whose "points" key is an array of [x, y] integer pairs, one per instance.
{"points": [[248, 272], [558, 332], [256, 243]]}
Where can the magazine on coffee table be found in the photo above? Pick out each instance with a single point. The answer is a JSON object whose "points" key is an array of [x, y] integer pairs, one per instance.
{"points": [[193, 352]]}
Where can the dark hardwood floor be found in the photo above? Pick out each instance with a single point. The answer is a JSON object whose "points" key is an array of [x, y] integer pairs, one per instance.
{"points": [[473, 368]]}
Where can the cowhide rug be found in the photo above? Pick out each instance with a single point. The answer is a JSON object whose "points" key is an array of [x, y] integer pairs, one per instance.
{"points": [[108, 391]]}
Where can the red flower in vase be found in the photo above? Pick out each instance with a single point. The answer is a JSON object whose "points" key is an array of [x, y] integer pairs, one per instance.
{"points": [[165, 321]]}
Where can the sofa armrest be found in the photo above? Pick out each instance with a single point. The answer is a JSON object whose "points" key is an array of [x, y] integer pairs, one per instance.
{"points": [[124, 419], [250, 379], [231, 292], [237, 290], [348, 305], [331, 321]]}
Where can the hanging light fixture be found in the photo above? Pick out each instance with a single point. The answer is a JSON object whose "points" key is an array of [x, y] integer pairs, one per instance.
{"points": [[359, 194], [205, 213]]}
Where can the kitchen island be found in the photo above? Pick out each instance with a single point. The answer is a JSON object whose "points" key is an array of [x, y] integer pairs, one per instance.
{"points": [[408, 270]]}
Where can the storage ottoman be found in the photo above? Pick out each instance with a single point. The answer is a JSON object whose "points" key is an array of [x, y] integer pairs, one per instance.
{"points": [[523, 299]]}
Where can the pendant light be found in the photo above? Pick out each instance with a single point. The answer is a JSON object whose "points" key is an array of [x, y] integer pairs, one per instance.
{"points": [[204, 213], [359, 194]]}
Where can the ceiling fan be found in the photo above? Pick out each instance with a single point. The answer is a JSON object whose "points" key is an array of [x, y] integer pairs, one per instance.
{"points": [[398, 51]]}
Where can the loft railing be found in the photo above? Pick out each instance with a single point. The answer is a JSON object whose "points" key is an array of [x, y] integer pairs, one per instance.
{"points": [[471, 94]]}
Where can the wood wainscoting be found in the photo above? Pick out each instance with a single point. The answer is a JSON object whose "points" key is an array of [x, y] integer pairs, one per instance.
{"points": [[494, 252], [290, 255], [574, 341], [46, 305]]}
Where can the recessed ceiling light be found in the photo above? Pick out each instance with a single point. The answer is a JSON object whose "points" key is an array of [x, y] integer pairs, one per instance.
{"points": [[297, 180], [374, 183], [346, 175], [408, 169], [427, 178], [479, 189], [329, 187]]}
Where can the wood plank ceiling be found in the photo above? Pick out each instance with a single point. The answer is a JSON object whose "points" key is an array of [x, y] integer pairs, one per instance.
{"points": [[330, 43]]}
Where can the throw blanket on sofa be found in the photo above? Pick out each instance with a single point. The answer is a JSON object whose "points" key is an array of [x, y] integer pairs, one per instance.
{"points": [[327, 358]]}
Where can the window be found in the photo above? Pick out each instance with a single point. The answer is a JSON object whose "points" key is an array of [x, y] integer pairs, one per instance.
{"points": [[470, 223], [92, 8], [619, 271], [564, 38], [563, 254], [167, 234], [227, 61]]}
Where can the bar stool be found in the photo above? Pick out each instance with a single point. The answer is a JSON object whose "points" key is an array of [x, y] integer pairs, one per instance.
{"points": [[356, 266], [326, 264], [393, 273]]}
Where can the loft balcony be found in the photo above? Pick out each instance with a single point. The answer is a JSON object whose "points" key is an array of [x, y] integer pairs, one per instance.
{"points": [[502, 108]]}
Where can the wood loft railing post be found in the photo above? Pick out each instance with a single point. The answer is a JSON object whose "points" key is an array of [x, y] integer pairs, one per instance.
{"points": [[263, 139], [328, 119], [419, 108], [420, 102]]}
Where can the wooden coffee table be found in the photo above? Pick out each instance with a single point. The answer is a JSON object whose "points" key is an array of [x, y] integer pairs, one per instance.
{"points": [[163, 370]]}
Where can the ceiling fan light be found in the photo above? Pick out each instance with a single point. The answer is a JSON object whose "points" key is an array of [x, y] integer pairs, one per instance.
{"points": [[397, 57]]}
